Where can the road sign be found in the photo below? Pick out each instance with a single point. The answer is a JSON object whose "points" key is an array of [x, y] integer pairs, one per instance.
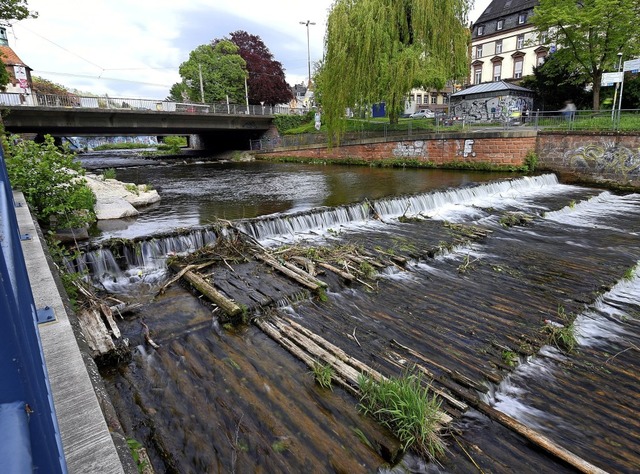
{"points": [[632, 65], [610, 78]]}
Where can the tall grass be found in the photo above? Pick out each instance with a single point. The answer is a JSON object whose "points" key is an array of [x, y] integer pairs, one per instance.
{"points": [[405, 407]]}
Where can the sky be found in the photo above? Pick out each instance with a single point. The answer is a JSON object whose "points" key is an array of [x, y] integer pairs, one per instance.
{"points": [[133, 49]]}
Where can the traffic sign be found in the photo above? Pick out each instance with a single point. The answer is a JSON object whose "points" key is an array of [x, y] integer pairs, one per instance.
{"points": [[610, 78], [632, 65]]}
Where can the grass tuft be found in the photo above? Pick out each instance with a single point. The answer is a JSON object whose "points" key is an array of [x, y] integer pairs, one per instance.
{"points": [[405, 407], [323, 374]]}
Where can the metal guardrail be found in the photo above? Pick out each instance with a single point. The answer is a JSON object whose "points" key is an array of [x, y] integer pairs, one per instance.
{"points": [[10, 99], [23, 374], [579, 120]]}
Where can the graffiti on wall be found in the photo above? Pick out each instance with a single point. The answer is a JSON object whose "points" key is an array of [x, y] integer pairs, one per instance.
{"points": [[415, 149], [499, 108], [609, 159]]}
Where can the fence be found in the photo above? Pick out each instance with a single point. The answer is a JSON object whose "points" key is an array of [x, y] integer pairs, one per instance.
{"points": [[407, 129], [150, 105], [29, 432]]}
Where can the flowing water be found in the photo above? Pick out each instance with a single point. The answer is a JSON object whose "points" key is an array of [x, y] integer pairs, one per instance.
{"points": [[223, 399]]}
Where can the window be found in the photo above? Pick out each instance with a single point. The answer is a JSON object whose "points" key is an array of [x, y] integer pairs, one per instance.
{"points": [[520, 42], [540, 59], [480, 30], [498, 46], [500, 25], [517, 68], [418, 99], [434, 99], [479, 51], [477, 75], [497, 70], [522, 18], [544, 36]]}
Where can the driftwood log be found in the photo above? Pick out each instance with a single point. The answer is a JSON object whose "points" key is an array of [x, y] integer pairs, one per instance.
{"points": [[204, 287]]}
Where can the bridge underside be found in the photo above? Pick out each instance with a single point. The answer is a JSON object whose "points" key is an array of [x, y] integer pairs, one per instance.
{"points": [[217, 132]]}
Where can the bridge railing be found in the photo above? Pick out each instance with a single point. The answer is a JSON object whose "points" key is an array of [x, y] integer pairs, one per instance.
{"points": [[12, 99], [31, 434]]}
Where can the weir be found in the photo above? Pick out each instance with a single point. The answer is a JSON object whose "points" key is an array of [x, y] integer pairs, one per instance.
{"points": [[464, 292], [119, 263]]}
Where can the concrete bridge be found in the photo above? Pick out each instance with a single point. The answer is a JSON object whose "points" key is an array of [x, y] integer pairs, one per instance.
{"points": [[212, 126]]}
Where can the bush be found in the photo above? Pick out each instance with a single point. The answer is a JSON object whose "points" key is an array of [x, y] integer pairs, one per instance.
{"points": [[172, 144], [51, 182], [287, 122]]}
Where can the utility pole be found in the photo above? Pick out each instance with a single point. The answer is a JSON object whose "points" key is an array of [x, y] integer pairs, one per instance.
{"points": [[307, 23], [201, 84], [615, 94]]}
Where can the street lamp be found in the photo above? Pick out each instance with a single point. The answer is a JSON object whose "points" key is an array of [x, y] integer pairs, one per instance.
{"points": [[307, 23], [615, 94]]}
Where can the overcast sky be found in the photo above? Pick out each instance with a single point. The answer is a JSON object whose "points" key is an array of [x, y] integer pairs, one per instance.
{"points": [[133, 49]]}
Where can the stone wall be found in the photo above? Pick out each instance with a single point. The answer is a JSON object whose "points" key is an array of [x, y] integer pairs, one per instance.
{"points": [[597, 158], [495, 148]]}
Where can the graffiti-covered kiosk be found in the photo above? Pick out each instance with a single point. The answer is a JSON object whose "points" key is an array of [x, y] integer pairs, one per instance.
{"points": [[491, 102]]}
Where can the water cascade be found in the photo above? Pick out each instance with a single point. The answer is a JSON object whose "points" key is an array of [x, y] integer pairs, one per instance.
{"points": [[119, 264]]}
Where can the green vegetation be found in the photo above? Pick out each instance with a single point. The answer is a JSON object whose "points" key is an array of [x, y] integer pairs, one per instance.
{"points": [[630, 273], [510, 358], [562, 335], [121, 146], [286, 123], [531, 161], [402, 163], [135, 447], [109, 173], [173, 144], [377, 50], [405, 407], [51, 182], [280, 446], [323, 375], [589, 36]]}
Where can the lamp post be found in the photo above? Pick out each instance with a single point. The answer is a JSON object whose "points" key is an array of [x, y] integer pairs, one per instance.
{"points": [[307, 23], [615, 94]]}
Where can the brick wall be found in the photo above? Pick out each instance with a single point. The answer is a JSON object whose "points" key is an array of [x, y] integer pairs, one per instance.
{"points": [[599, 158], [496, 148]]}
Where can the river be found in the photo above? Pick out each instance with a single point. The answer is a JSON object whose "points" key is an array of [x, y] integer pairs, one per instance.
{"points": [[222, 398]]}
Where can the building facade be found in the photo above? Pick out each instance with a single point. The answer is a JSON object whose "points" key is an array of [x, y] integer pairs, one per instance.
{"points": [[504, 44], [19, 72]]}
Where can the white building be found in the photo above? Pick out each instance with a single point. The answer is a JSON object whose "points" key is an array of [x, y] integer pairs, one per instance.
{"points": [[504, 44]]}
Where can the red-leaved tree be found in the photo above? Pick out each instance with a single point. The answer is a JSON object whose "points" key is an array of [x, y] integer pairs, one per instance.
{"points": [[266, 82]]}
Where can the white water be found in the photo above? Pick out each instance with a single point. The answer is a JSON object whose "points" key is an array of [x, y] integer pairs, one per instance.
{"points": [[599, 325], [597, 211], [145, 262]]}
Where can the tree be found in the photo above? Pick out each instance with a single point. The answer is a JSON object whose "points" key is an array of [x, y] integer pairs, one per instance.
{"points": [[266, 82], [223, 74], [589, 34], [377, 50], [15, 10], [554, 83]]}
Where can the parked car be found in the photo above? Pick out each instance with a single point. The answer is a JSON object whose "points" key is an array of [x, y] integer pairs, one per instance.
{"points": [[423, 114]]}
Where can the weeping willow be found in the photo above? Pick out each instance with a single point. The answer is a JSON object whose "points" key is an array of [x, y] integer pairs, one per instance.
{"points": [[378, 50]]}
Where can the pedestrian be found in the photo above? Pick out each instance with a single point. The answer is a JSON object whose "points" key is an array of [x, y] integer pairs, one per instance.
{"points": [[569, 110]]}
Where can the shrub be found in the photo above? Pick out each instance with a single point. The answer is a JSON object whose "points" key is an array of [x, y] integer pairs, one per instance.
{"points": [[51, 182], [173, 144], [285, 122]]}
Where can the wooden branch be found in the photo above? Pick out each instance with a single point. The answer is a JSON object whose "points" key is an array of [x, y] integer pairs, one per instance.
{"points": [[346, 275], [204, 287], [312, 283]]}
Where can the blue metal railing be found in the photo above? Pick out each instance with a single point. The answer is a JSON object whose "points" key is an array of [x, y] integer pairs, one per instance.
{"points": [[23, 375]]}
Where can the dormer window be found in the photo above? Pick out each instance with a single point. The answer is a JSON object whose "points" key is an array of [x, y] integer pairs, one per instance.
{"points": [[500, 25], [522, 18], [480, 30]]}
